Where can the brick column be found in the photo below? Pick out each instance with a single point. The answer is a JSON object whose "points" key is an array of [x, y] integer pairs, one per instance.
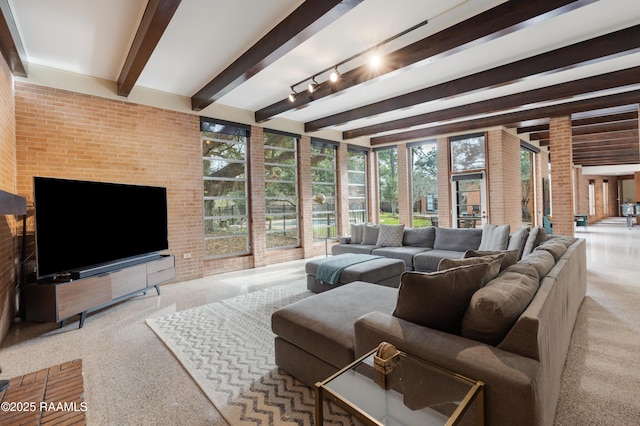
{"points": [[561, 175], [342, 188], [504, 189], [444, 185], [257, 215], [405, 200]]}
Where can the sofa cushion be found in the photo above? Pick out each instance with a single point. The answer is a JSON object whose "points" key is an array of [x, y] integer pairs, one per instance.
{"points": [[428, 261], [494, 237], [357, 230], [390, 235], [536, 236], [510, 256], [556, 247], [370, 234], [493, 260], [542, 260], [494, 308], [404, 253], [457, 239], [419, 237], [438, 300], [518, 239]]}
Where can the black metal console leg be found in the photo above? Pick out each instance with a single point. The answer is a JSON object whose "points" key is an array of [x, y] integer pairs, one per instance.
{"points": [[157, 289], [63, 323], [83, 316]]}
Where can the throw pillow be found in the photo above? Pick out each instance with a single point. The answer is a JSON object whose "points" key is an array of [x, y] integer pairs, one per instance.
{"points": [[494, 261], [370, 234], [494, 237], [536, 236], [495, 307], [357, 230], [438, 299], [390, 235], [510, 256], [556, 248]]}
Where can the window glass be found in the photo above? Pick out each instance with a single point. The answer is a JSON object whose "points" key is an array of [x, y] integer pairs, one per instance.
{"points": [[323, 187], [467, 153], [388, 177], [357, 181], [281, 190], [224, 167], [424, 184]]}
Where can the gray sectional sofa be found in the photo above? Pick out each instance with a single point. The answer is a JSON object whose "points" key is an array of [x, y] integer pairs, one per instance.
{"points": [[512, 332], [421, 249]]}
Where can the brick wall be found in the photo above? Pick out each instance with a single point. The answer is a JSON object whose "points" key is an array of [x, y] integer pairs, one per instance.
{"points": [[562, 185], [69, 135], [7, 183], [503, 180]]}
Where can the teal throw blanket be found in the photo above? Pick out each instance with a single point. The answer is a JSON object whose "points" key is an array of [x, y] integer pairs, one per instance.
{"points": [[329, 271]]}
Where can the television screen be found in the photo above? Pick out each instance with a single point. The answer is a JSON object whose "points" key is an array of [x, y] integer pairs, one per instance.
{"points": [[81, 224]]}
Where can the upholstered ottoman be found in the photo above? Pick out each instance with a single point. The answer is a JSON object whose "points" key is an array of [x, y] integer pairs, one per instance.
{"points": [[380, 270]]}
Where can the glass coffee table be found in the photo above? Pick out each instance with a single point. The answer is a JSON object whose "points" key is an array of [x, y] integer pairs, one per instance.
{"points": [[414, 392]]}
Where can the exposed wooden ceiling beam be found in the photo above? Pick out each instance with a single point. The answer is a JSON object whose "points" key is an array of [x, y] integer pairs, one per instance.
{"points": [[550, 93], [156, 17], [493, 23], [605, 127], [587, 52], [567, 108], [605, 119], [10, 42], [309, 18], [606, 137]]}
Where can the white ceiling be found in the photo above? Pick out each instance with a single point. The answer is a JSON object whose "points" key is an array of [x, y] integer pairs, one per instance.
{"points": [[93, 37]]}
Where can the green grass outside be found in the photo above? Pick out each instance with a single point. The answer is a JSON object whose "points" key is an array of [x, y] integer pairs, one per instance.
{"points": [[390, 219]]}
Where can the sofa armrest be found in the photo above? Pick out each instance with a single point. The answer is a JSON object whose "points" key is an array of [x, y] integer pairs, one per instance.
{"points": [[512, 382], [344, 240]]}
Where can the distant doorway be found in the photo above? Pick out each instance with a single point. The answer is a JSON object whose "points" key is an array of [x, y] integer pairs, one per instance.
{"points": [[469, 199]]}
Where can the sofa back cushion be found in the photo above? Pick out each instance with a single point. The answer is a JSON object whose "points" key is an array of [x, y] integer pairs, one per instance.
{"points": [[438, 300], [457, 239], [419, 237], [370, 234], [357, 231], [518, 239], [555, 246], [390, 235], [542, 260], [536, 236], [494, 237], [494, 308]]}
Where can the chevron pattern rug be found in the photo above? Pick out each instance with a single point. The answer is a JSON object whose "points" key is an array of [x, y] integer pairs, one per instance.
{"points": [[227, 347]]}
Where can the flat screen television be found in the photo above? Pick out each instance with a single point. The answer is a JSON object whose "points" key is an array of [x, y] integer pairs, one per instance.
{"points": [[84, 228]]}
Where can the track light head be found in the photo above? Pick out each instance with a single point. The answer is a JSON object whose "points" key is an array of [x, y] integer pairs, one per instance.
{"points": [[335, 75], [313, 85], [293, 95]]}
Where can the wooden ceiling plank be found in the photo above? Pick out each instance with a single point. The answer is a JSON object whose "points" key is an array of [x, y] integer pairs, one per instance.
{"points": [[499, 120], [605, 119], [493, 23], [308, 19], [154, 22], [605, 128], [529, 129], [587, 52], [11, 43]]}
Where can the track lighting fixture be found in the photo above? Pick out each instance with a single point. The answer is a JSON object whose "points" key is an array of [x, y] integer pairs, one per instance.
{"points": [[313, 85], [374, 60]]}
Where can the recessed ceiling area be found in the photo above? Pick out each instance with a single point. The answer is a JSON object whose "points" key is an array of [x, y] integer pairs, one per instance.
{"points": [[475, 64]]}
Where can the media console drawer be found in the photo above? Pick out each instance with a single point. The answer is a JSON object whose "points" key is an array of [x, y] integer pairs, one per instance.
{"points": [[81, 295]]}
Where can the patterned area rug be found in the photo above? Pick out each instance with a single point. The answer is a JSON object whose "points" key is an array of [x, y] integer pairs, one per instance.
{"points": [[227, 347]]}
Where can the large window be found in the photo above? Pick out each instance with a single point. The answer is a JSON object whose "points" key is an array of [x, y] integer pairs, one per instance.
{"points": [[323, 187], [224, 174], [357, 171], [424, 184], [388, 178], [527, 178], [281, 189]]}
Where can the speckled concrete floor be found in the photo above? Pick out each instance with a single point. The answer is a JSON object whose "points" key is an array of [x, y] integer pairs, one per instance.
{"points": [[130, 377]]}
